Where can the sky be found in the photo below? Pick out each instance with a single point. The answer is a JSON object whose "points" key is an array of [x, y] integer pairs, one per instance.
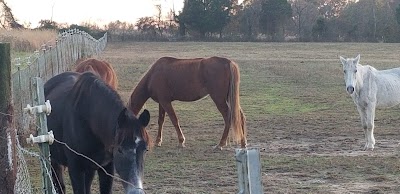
{"points": [[100, 12]]}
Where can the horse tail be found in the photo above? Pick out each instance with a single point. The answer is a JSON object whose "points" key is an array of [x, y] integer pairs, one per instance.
{"points": [[236, 116]]}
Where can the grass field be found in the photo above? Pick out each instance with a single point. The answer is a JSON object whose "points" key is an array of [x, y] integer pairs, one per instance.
{"points": [[297, 112]]}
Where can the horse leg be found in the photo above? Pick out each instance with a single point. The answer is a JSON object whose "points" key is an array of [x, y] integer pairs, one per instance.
{"points": [[363, 116], [89, 174], [171, 113], [77, 177], [370, 116], [58, 177], [224, 110], [161, 118], [105, 180]]}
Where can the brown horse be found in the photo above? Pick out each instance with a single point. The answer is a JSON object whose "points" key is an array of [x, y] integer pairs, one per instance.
{"points": [[170, 79], [102, 68]]}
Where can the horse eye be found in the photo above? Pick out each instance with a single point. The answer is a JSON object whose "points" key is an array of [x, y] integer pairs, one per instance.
{"points": [[355, 71], [344, 71]]}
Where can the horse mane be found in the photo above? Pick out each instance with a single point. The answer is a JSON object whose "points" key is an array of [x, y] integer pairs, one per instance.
{"points": [[92, 87]]}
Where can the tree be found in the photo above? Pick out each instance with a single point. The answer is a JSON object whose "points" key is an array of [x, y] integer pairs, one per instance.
{"points": [[369, 20], [48, 24], [398, 14], [274, 15], [160, 24], [249, 18], [304, 16], [319, 30], [7, 19], [206, 16], [147, 25], [331, 8]]}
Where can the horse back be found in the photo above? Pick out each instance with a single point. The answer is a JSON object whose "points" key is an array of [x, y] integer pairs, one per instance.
{"points": [[187, 79], [102, 68], [386, 87]]}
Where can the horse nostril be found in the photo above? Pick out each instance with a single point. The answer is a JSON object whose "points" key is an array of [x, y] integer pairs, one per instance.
{"points": [[350, 89]]}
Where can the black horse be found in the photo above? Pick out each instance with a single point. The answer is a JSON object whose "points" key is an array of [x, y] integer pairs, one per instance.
{"points": [[90, 117]]}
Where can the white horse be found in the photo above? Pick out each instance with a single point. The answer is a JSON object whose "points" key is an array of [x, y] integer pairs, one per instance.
{"points": [[370, 88]]}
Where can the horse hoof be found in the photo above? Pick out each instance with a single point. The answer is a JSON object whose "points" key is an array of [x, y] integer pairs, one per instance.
{"points": [[368, 149], [158, 144], [181, 145], [217, 147]]}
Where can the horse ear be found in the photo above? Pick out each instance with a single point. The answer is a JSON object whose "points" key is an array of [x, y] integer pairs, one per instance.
{"points": [[122, 117], [144, 118], [343, 60], [357, 59]]}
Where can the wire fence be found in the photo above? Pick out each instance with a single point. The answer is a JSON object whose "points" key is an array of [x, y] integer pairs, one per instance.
{"points": [[51, 60], [69, 47]]}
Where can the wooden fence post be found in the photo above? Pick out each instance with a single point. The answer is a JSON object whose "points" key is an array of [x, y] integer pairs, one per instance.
{"points": [[38, 99], [249, 171], [8, 162]]}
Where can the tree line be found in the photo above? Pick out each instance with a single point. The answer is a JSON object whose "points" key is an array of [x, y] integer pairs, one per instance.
{"points": [[257, 20]]}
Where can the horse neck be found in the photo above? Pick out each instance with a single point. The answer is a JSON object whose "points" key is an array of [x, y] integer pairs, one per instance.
{"points": [[138, 97], [103, 122], [364, 73]]}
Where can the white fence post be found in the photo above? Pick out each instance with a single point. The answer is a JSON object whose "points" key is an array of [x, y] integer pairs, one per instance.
{"points": [[249, 171]]}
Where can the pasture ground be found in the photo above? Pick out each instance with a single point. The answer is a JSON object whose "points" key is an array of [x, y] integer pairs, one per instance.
{"points": [[297, 112]]}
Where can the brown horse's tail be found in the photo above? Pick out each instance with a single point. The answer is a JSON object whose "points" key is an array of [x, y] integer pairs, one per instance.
{"points": [[237, 118]]}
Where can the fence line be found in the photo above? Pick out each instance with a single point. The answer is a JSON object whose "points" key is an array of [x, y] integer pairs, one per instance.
{"points": [[51, 60]]}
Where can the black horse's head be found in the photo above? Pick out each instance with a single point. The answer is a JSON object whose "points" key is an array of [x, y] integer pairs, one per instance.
{"points": [[132, 142]]}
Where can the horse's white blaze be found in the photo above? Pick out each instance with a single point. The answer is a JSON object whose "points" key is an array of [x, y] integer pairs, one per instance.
{"points": [[137, 141], [370, 89]]}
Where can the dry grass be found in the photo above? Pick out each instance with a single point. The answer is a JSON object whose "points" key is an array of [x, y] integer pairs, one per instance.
{"points": [[297, 111], [27, 40]]}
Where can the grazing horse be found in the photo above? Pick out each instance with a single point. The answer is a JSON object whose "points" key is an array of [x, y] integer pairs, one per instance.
{"points": [[102, 68], [170, 79], [370, 89], [89, 119]]}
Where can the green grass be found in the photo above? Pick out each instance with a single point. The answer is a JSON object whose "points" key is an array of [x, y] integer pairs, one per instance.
{"points": [[19, 58]]}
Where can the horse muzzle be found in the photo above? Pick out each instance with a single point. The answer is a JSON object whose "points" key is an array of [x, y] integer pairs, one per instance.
{"points": [[350, 89]]}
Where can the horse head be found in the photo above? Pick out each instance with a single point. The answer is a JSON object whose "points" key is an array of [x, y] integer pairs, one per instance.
{"points": [[350, 66], [131, 144]]}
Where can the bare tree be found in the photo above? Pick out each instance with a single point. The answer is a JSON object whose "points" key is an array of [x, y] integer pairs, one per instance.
{"points": [[7, 19], [159, 21], [304, 17]]}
